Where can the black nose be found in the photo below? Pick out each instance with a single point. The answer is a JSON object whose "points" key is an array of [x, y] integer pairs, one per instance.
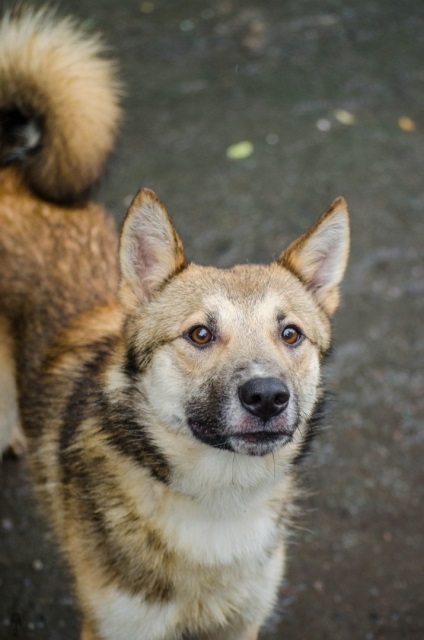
{"points": [[264, 397]]}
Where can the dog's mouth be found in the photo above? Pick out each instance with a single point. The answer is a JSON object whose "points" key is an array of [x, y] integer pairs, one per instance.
{"points": [[259, 443], [254, 443]]}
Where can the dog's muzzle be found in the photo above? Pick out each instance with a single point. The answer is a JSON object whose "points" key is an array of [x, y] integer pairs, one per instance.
{"points": [[263, 426]]}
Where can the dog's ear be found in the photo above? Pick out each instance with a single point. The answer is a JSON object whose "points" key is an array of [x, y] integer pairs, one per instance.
{"points": [[150, 250], [319, 256]]}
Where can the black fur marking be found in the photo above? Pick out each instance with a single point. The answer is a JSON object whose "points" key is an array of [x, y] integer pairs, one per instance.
{"points": [[82, 403], [205, 417], [147, 354], [133, 572], [137, 359], [319, 414], [131, 364], [208, 433], [127, 434], [67, 198], [20, 136], [98, 492], [118, 419], [182, 267], [137, 362], [313, 427]]}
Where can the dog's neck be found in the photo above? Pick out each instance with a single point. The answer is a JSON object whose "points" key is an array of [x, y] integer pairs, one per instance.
{"points": [[223, 482]]}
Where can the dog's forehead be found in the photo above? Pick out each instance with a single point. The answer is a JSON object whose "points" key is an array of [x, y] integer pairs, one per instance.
{"points": [[240, 282], [248, 294], [252, 308]]}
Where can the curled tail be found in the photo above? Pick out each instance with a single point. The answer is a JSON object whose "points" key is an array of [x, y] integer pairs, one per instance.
{"points": [[59, 103]]}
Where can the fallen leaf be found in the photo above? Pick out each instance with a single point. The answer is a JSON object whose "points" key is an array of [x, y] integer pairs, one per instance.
{"points": [[344, 117], [240, 150], [407, 124], [147, 7]]}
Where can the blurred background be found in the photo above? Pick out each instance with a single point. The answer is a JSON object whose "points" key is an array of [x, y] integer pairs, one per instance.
{"points": [[248, 119]]}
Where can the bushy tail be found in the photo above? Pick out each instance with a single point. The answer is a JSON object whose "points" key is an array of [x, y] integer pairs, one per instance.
{"points": [[59, 103]]}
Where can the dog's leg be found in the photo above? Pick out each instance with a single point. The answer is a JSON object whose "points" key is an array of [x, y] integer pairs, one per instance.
{"points": [[11, 433]]}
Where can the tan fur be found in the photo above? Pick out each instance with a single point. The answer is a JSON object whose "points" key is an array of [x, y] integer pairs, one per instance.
{"points": [[50, 69], [170, 495], [87, 633], [71, 238], [303, 253]]}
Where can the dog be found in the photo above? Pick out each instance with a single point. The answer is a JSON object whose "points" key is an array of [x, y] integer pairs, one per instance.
{"points": [[165, 405]]}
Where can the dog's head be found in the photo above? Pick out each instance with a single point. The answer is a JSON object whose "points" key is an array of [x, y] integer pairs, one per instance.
{"points": [[229, 358]]}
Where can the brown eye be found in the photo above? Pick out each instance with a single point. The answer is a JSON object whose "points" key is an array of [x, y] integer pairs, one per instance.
{"points": [[291, 336], [200, 335]]}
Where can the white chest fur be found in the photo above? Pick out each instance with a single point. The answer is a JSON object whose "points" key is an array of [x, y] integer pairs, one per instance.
{"points": [[121, 616], [210, 537], [225, 553]]}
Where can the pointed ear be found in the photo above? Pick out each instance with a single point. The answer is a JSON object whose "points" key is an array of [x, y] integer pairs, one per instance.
{"points": [[319, 257], [150, 249]]}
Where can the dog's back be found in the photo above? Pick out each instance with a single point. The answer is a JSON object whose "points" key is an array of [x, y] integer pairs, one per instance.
{"points": [[58, 118]]}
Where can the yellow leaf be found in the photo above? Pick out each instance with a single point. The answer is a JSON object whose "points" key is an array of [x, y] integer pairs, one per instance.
{"points": [[240, 150], [407, 124], [344, 116], [147, 7]]}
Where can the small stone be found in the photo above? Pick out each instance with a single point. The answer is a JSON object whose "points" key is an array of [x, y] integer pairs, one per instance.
{"points": [[323, 124], [37, 565], [6, 524], [319, 586], [186, 25], [272, 138]]}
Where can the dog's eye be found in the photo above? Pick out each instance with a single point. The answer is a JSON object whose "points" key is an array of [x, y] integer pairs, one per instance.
{"points": [[201, 335], [291, 336]]}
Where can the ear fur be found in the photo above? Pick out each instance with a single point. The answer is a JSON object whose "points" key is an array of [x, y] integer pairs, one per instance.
{"points": [[319, 256], [150, 249]]}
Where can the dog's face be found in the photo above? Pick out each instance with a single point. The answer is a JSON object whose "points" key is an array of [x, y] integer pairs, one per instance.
{"points": [[231, 358]]}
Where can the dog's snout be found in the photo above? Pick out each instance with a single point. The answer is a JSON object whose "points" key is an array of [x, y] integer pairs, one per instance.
{"points": [[264, 397]]}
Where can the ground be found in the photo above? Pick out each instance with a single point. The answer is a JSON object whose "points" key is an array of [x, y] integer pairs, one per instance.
{"points": [[331, 96]]}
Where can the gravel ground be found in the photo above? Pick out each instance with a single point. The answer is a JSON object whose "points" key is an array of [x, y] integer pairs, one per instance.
{"points": [[331, 97]]}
